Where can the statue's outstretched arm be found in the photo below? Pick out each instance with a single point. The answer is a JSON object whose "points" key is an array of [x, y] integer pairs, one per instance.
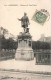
{"points": [[19, 19]]}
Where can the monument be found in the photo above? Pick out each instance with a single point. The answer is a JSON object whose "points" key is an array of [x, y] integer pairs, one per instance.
{"points": [[24, 50]]}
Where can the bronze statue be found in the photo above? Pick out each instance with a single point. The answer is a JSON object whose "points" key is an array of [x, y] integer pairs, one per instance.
{"points": [[24, 22]]}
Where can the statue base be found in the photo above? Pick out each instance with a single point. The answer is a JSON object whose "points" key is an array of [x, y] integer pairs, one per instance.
{"points": [[24, 54], [24, 50]]}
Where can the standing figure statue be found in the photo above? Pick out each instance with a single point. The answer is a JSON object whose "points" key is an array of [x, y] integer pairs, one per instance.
{"points": [[25, 22]]}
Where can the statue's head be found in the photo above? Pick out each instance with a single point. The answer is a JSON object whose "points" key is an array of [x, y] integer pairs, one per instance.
{"points": [[25, 14]]}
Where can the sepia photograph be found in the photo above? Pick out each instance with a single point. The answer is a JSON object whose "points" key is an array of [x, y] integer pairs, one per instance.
{"points": [[25, 39]]}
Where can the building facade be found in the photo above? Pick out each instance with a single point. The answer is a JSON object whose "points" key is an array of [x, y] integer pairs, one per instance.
{"points": [[45, 39]]}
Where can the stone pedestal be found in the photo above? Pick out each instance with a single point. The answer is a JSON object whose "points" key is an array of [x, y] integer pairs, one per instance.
{"points": [[24, 50]]}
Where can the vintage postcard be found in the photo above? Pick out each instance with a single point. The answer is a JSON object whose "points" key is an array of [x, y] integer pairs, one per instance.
{"points": [[25, 39]]}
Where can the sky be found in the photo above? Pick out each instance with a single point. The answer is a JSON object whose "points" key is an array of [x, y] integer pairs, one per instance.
{"points": [[11, 10]]}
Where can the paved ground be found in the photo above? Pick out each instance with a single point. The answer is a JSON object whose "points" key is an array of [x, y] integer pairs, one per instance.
{"points": [[7, 75], [9, 68], [24, 65]]}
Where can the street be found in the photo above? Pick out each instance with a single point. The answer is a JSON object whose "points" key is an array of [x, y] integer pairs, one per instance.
{"points": [[10, 75]]}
